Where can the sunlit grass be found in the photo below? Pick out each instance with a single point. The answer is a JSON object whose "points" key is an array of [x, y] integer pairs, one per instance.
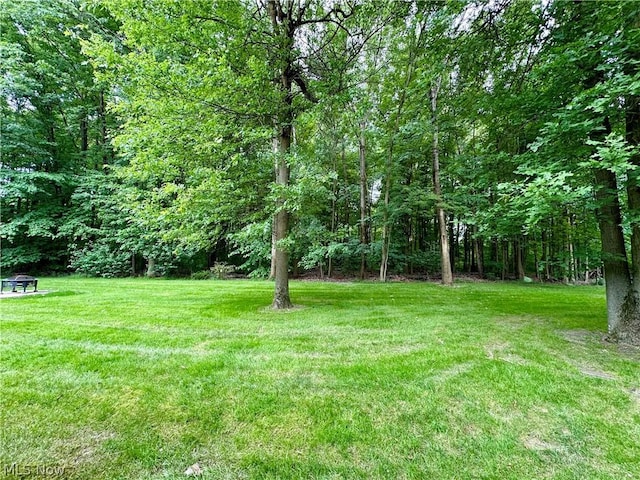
{"points": [[140, 379]]}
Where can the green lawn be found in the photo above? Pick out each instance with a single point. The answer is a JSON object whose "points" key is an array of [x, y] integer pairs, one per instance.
{"points": [[139, 379]]}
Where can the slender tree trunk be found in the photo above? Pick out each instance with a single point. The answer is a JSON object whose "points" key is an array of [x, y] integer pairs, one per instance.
{"points": [[386, 227], [467, 252], [334, 218], [586, 270], [272, 271], [573, 264], [536, 259], [505, 255], [453, 241], [104, 141], [364, 226], [546, 249], [517, 252], [478, 246], [445, 261], [84, 135], [386, 232]]}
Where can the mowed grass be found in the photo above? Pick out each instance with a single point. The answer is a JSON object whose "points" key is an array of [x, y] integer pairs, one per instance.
{"points": [[139, 379]]}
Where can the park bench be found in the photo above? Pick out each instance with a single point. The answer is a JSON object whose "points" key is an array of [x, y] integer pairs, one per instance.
{"points": [[23, 280]]}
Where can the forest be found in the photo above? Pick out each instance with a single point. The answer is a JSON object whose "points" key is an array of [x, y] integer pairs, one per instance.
{"points": [[349, 138]]}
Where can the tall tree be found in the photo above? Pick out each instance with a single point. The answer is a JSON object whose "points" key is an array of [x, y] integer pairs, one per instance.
{"points": [[259, 66], [445, 258]]}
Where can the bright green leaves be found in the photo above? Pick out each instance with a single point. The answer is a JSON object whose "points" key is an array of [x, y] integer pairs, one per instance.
{"points": [[53, 127]]}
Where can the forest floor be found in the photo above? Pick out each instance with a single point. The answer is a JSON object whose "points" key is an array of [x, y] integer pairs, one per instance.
{"points": [[150, 378]]}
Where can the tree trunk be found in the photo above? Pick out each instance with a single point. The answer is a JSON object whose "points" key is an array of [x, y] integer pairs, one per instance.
{"points": [[445, 261], [629, 327], [84, 135], [478, 246], [151, 267], [621, 303], [285, 27], [517, 252], [633, 186], [386, 227], [467, 253], [546, 255], [104, 140], [386, 233], [272, 271], [573, 263], [281, 299], [364, 227]]}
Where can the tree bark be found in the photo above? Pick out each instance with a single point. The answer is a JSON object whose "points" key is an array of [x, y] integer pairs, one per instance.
{"points": [[281, 299], [151, 267], [272, 270], [633, 186], [517, 252], [285, 27], [386, 232], [629, 328], [621, 303], [478, 246], [84, 135], [364, 192], [445, 261]]}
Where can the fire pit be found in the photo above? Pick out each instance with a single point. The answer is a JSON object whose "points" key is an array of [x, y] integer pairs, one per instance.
{"points": [[23, 280]]}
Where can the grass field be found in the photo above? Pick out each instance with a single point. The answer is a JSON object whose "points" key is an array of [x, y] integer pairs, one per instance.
{"points": [[139, 379]]}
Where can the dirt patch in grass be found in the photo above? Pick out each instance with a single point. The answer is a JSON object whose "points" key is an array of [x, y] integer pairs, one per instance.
{"points": [[581, 337], [585, 337], [500, 351], [270, 309], [454, 371], [630, 351], [533, 442], [596, 373]]}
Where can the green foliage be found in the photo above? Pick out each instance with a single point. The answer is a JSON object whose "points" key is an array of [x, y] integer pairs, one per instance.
{"points": [[196, 91], [222, 270], [253, 244], [101, 260], [201, 275], [53, 126]]}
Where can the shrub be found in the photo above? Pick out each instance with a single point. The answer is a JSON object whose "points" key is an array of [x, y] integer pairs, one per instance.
{"points": [[201, 275], [221, 270]]}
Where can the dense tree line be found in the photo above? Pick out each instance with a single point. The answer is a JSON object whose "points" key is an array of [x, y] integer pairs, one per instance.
{"points": [[361, 138]]}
